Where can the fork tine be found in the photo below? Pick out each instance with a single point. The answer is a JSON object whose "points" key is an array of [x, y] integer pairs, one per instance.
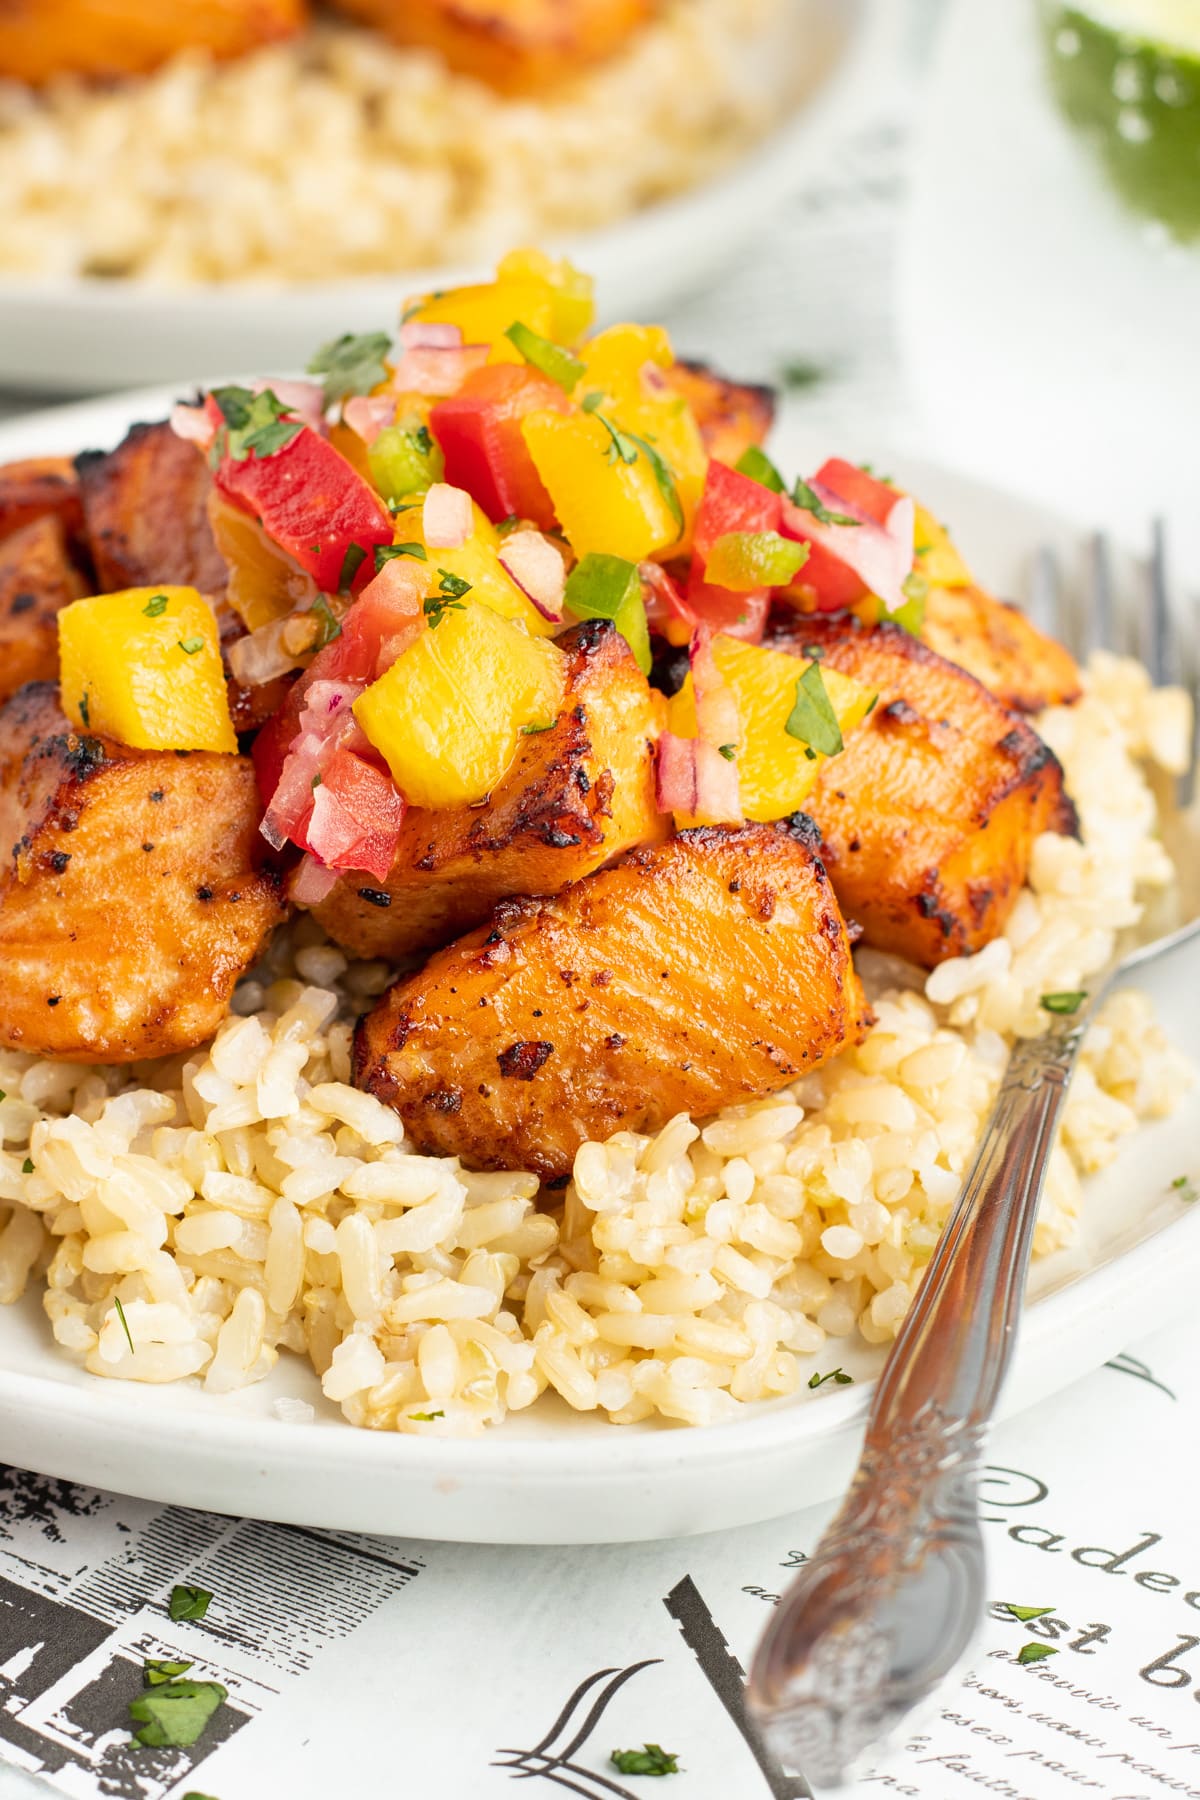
{"points": [[1045, 592], [1159, 647], [1098, 628]]}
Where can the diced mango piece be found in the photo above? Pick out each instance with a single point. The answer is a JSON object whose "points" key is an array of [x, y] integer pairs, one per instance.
{"points": [[937, 559], [620, 363], [484, 312], [602, 501], [775, 773], [144, 666], [264, 582], [572, 290], [447, 716], [478, 562]]}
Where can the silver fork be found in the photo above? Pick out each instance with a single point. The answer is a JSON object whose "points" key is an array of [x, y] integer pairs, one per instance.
{"points": [[891, 1600]]}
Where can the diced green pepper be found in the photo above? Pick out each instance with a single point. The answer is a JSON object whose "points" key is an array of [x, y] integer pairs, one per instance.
{"points": [[745, 560], [405, 460], [608, 587]]}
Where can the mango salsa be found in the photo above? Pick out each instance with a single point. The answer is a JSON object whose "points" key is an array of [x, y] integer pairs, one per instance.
{"points": [[620, 363], [606, 496], [484, 312], [144, 666], [264, 582], [478, 563], [573, 307], [448, 714], [775, 773]]}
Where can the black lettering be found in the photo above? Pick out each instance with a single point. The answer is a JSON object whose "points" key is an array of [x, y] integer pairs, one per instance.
{"points": [[1091, 1634], [1009, 1488], [1050, 1541], [1112, 1559], [1181, 1677], [1156, 1582]]}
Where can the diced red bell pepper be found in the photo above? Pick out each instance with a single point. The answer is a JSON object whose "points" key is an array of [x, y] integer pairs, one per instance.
{"points": [[825, 583], [312, 502], [479, 430], [356, 817], [730, 502], [861, 492]]}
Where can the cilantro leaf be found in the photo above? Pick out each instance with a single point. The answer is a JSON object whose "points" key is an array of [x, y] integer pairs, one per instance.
{"points": [[758, 466], [191, 645], [801, 372], [537, 726], [189, 1602], [838, 1376], [385, 552], [175, 1714], [156, 1672], [1183, 1185], [453, 586], [1034, 1653], [351, 364], [155, 607], [448, 598], [84, 709], [651, 1759], [665, 479], [1025, 1613], [807, 500], [330, 624], [27, 1166], [545, 356], [254, 422], [124, 1323], [352, 562], [424, 1417], [1067, 1003], [812, 718]]}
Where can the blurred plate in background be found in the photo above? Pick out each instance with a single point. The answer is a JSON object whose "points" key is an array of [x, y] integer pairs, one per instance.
{"points": [[77, 335]]}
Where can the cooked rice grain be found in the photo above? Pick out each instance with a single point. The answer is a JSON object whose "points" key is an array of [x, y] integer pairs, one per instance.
{"points": [[248, 1200]]}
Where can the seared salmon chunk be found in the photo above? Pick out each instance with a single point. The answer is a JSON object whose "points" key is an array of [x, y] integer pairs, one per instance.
{"points": [[145, 509], [929, 815], [37, 579], [130, 899], [697, 973], [577, 796], [998, 644]]}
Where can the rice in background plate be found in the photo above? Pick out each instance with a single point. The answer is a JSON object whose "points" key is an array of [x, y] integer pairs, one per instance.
{"points": [[339, 154], [249, 1200]]}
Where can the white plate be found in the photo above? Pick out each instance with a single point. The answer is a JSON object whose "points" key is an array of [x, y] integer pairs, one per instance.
{"points": [[558, 1476], [80, 335]]}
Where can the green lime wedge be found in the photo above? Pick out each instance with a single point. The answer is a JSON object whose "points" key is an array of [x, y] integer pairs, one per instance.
{"points": [[1127, 73]]}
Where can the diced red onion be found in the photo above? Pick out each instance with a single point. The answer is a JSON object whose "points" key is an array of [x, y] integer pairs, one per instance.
{"points": [[193, 423], [880, 555], [303, 399], [367, 414], [326, 704], [653, 379], [326, 722], [538, 569], [261, 656], [416, 335], [716, 709], [447, 518], [312, 881], [438, 372], [693, 778]]}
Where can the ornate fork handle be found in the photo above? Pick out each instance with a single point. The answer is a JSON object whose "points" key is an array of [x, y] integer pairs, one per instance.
{"points": [[891, 1598]]}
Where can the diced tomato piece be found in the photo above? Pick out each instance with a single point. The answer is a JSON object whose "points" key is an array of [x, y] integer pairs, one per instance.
{"points": [[479, 430], [313, 503], [356, 817], [737, 615], [861, 492]]}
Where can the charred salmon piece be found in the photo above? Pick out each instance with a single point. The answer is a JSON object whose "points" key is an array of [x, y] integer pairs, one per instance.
{"points": [[520, 46], [1000, 646], [709, 969], [145, 511], [731, 415], [130, 900], [35, 487], [37, 579], [929, 815], [42, 39], [577, 796]]}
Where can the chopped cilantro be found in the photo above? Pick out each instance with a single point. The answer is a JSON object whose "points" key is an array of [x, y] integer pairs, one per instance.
{"points": [[175, 1714], [156, 607], [1025, 1613], [1183, 1185], [124, 1323], [621, 446], [537, 726], [193, 1795], [651, 1759], [351, 364], [812, 718], [508, 524], [808, 501], [255, 422], [190, 645], [189, 1602], [352, 562], [330, 624], [423, 439], [1063, 1003], [448, 598], [452, 585], [728, 751], [624, 446], [385, 552], [758, 466], [547, 357], [802, 372], [84, 710], [839, 1376], [1035, 1653], [155, 1673], [27, 1166], [424, 1417]]}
